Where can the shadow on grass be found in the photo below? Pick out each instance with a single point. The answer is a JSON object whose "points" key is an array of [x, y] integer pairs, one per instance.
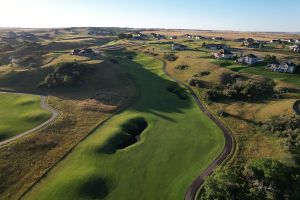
{"points": [[94, 188], [154, 96], [129, 135]]}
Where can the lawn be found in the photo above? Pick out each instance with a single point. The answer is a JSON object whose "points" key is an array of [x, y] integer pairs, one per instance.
{"points": [[260, 70], [179, 142], [20, 113]]}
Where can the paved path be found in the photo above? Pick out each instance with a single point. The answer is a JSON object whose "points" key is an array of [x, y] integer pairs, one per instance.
{"points": [[197, 183], [44, 105]]}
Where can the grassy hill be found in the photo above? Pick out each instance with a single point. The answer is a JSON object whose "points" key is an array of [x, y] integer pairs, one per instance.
{"points": [[178, 143], [19, 113]]}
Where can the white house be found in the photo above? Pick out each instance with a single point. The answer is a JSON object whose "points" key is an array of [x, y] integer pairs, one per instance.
{"points": [[223, 54], [285, 67], [295, 48], [198, 37], [248, 59]]}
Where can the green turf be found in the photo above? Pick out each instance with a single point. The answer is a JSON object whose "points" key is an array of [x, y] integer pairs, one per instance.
{"points": [[177, 145], [19, 113], [260, 70]]}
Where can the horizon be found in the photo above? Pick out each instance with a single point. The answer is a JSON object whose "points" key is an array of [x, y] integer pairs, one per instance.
{"points": [[190, 15]]}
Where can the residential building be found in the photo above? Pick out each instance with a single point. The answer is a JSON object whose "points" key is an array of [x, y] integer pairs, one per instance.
{"points": [[248, 59], [284, 67], [223, 54], [83, 52]]}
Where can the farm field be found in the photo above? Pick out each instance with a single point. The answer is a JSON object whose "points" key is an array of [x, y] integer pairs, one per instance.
{"points": [[176, 144], [20, 113]]}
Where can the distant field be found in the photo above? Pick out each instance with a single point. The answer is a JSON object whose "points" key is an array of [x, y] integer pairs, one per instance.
{"points": [[178, 143], [19, 113]]}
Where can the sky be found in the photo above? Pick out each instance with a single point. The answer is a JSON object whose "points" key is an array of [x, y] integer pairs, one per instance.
{"points": [[240, 15]]}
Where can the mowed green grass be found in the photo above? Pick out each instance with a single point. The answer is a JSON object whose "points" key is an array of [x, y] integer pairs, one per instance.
{"points": [[177, 145], [260, 70], [20, 113]]}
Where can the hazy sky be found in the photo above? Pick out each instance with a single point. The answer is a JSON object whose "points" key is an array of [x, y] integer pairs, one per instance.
{"points": [[244, 15]]}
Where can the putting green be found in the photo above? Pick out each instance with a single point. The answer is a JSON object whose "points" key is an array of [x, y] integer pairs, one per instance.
{"points": [[20, 113], [178, 143]]}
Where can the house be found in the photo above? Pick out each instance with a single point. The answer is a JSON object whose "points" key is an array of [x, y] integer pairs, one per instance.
{"points": [[216, 46], [199, 37], [157, 36], [275, 41], [284, 67], [223, 54], [178, 47], [189, 36], [250, 40], [240, 40], [217, 38], [295, 48], [248, 59], [83, 52]]}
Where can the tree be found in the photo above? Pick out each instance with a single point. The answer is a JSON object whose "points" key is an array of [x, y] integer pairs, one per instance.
{"points": [[270, 59], [225, 184]]}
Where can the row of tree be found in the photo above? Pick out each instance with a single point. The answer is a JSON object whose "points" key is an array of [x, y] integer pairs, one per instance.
{"points": [[247, 90], [264, 179]]}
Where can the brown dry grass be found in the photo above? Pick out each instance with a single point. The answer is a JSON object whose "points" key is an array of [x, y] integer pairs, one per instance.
{"points": [[252, 142], [24, 161], [227, 34]]}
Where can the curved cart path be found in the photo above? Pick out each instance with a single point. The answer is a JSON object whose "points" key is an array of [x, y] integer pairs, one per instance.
{"points": [[196, 184], [44, 105]]}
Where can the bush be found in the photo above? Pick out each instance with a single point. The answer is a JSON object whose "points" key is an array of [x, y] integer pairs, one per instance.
{"points": [[285, 126], [270, 59], [66, 74], [212, 95], [170, 57], [196, 83], [182, 67], [262, 179], [201, 74], [249, 90]]}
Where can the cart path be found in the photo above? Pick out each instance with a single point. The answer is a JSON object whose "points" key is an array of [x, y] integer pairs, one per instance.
{"points": [[197, 183], [44, 106]]}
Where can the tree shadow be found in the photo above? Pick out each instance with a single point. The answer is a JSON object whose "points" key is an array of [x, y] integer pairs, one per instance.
{"points": [[94, 188], [154, 95]]}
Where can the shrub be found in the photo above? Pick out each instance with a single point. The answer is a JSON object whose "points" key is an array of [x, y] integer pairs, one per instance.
{"points": [[261, 179], [201, 74], [182, 67], [285, 126], [170, 57], [212, 95], [270, 59], [66, 74], [196, 83], [248, 90]]}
